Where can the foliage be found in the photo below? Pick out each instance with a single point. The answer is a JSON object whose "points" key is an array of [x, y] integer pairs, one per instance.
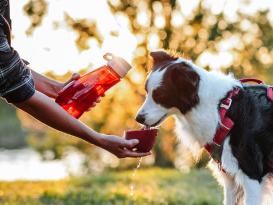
{"points": [[11, 135], [152, 186], [36, 10], [86, 29], [203, 31]]}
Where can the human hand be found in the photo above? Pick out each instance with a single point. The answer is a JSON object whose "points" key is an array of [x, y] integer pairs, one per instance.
{"points": [[56, 87], [76, 76], [120, 147]]}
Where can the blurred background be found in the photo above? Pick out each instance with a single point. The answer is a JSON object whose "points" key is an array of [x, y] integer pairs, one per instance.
{"points": [[59, 37]]}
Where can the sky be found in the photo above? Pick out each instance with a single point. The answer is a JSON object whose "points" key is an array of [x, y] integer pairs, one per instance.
{"points": [[50, 49]]}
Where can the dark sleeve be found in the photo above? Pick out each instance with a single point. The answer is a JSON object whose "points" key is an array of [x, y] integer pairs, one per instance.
{"points": [[16, 83]]}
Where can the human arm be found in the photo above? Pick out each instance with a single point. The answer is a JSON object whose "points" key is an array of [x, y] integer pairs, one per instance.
{"points": [[47, 111], [17, 87]]}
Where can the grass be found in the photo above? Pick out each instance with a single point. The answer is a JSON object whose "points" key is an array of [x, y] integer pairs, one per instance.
{"points": [[153, 186]]}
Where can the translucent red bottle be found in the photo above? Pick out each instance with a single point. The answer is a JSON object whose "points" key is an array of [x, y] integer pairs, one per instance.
{"points": [[78, 96]]}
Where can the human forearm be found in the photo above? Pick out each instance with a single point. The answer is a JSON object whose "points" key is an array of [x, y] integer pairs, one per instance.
{"points": [[46, 85], [47, 111]]}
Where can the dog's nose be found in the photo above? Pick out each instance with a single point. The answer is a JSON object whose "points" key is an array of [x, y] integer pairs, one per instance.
{"points": [[140, 118]]}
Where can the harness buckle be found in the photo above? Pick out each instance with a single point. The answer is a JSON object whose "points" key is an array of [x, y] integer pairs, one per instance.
{"points": [[226, 106]]}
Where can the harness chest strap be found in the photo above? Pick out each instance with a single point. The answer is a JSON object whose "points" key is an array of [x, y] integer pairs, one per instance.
{"points": [[226, 124]]}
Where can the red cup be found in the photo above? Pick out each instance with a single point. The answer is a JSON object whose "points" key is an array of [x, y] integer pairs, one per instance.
{"points": [[146, 138]]}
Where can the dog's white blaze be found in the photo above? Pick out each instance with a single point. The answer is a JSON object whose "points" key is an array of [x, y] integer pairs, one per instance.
{"points": [[153, 112], [155, 79]]}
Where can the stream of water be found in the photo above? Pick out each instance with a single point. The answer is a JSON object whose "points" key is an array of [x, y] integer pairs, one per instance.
{"points": [[132, 185]]}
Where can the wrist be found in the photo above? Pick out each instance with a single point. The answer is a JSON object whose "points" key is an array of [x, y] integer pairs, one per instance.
{"points": [[56, 87], [100, 139], [95, 138]]}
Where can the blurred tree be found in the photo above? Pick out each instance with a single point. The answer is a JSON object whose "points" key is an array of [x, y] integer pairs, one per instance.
{"points": [[243, 43], [85, 29], [36, 10], [12, 136]]}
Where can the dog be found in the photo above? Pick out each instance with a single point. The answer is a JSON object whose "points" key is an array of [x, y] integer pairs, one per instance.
{"points": [[177, 87]]}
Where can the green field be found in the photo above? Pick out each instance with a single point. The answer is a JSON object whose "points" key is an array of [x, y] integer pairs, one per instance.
{"points": [[152, 187]]}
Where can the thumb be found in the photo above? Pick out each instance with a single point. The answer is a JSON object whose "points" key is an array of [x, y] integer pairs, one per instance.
{"points": [[75, 76], [131, 143]]}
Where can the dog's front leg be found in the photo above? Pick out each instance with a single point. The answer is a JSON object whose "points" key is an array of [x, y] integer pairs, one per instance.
{"points": [[252, 191], [233, 193], [267, 190]]}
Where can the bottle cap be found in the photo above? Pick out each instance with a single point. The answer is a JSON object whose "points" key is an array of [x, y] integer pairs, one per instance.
{"points": [[118, 64]]}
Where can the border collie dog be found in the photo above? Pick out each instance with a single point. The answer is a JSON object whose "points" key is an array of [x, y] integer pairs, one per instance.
{"points": [[178, 87]]}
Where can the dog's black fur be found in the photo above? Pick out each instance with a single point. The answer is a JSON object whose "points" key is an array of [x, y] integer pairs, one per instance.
{"points": [[251, 138]]}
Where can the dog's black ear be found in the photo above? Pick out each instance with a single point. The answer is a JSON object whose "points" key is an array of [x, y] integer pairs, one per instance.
{"points": [[185, 82], [161, 56]]}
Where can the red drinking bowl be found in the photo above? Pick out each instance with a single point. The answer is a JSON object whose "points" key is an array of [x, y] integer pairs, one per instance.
{"points": [[146, 138]]}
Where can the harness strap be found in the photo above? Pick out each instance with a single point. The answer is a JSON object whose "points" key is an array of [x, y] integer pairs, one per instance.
{"points": [[225, 125], [269, 89], [270, 93], [245, 80]]}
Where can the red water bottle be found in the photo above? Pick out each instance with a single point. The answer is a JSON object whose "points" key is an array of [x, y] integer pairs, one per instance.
{"points": [[79, 95]]}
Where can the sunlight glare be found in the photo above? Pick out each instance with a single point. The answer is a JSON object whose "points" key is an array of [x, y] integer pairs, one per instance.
{"points": [[143, 15], [153, 41], [143, 18], [160, 21], [157, 7], [220, 60], [55, 49], [137, 77], [177, 19]]}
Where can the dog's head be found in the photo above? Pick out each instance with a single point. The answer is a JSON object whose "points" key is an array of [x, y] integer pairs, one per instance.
{"points": [[171, 87]]}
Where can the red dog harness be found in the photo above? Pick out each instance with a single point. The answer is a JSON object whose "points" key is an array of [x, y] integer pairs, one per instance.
{"points": [[226, 124]]}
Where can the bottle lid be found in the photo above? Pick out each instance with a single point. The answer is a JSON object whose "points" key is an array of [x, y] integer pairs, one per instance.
{"points": [[118, 64]]}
